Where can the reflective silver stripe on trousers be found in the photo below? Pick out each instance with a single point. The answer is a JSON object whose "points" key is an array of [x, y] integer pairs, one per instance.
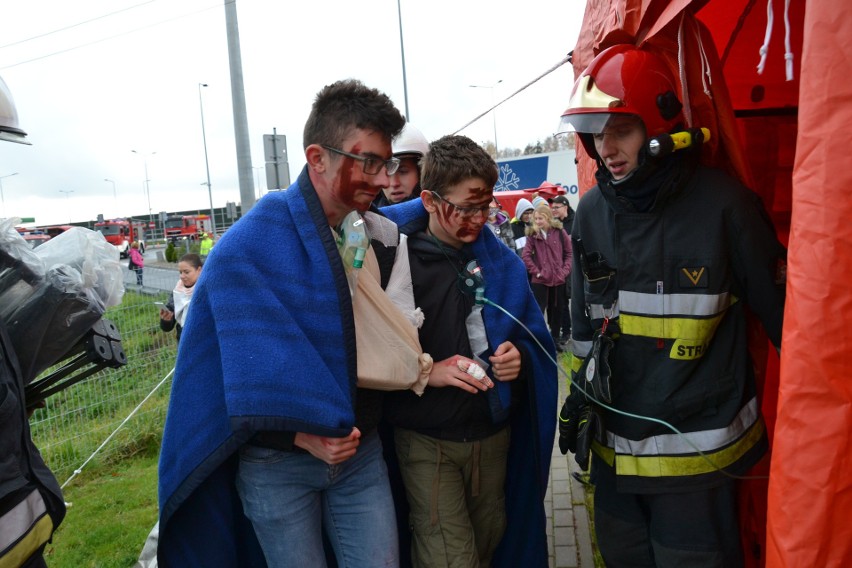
{"points": [[672, 444], [673, 304], [20, 519]]}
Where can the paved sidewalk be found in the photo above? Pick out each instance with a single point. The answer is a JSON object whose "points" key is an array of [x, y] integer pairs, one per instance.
{"points": [[568, 533]]}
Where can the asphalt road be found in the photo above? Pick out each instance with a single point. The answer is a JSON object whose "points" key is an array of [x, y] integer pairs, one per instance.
{"points": [[157, 276]]}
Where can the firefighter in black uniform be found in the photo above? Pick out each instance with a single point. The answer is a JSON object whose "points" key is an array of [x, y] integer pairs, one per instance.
{"points": [[667, 256], [31, 504]]}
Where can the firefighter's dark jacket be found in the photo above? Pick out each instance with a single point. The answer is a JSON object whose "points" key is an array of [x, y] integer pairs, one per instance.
{"points": [[683, 273], [31, 504]]}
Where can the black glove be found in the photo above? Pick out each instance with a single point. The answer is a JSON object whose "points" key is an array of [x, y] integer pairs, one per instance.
{"points": [[589, 427], [569, 419]]}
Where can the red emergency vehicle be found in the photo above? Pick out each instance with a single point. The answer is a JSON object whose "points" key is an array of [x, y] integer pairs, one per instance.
{"points": [[121, 233], [187, 226]]}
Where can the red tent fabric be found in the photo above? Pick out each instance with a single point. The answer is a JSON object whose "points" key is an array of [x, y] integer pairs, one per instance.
{"points": [[713, 46], [810, 490]]}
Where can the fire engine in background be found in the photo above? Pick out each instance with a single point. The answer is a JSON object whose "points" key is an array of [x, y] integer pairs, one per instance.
{"points": [[121, 233], [187, 226], [34, 237]]}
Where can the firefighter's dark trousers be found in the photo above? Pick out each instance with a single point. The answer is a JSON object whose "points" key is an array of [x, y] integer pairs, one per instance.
{"points": [[670, 530]]}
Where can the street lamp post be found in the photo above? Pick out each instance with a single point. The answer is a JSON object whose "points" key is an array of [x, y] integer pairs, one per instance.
{"points": [[257, 179], [206, 161], [67, 193], [493, 110], [114, 194], [2, 197], [147, 186]]}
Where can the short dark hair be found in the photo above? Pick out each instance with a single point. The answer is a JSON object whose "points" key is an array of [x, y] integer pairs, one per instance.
{"points": [[346, 105], [192, 259], [453, 159]]}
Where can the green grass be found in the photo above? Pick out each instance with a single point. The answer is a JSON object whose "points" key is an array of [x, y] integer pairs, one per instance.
{"points": [[112, 510]]}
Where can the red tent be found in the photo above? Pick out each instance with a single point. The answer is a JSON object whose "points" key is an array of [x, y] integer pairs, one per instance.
{"points": [[714, 47]]}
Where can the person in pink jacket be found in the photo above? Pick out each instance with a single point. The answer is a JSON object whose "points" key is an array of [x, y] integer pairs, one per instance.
{"points": [[136, 263], [547, 256]]}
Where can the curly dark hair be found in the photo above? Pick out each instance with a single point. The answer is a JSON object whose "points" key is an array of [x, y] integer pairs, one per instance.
{"points": [[453, 159], [347, 105]]}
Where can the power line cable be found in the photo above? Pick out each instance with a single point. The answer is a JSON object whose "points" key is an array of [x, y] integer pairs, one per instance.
{"points": [[109, 37], [548, 72], [45, 34]]}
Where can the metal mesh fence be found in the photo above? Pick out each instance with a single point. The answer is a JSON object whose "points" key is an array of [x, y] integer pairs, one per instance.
{"points": [[76, 421]]}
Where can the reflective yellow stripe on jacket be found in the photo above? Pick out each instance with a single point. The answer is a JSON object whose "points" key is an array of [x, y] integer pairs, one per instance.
{"points": [[675, 455]]}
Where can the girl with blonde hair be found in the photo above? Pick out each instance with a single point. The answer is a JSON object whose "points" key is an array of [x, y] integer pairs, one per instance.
{"points": [[547, 256]]}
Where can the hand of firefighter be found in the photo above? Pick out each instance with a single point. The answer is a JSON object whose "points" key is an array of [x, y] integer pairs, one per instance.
{"points": [[569, 418], [589, 427]]}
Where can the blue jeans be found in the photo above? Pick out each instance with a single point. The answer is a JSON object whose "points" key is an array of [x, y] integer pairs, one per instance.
{"points": [[292, 497]]}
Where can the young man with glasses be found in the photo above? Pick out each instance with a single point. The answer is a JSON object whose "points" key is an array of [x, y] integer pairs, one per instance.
{"points": [[268, 444], [474, 453]]}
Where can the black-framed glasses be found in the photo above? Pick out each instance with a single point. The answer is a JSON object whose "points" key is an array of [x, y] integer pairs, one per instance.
{"points": [[465, 211], [370, 164]]}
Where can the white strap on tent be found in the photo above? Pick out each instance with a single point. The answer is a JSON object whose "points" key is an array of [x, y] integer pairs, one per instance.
{"points": [[764, 49], [706, 77], [788, 54], [681, 67]]}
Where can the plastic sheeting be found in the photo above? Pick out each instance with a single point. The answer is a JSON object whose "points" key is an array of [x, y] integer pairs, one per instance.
{"points": [[51, 296]]}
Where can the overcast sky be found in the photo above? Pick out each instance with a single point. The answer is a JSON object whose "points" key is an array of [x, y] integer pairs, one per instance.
{"points": [[124, 76]]}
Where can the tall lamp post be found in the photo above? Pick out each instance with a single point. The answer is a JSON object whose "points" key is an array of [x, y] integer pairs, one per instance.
{"points": [[206, 161], [67, 193], [257, 179], [2, 197], [147, 187], [493, 111], [114, 194]]}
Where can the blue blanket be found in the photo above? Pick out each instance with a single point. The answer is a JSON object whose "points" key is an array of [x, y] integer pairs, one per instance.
{"points": [[268, 345], [533, 419]]}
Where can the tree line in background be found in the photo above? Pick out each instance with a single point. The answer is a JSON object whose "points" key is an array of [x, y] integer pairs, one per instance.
{"points": [[554, 143]]}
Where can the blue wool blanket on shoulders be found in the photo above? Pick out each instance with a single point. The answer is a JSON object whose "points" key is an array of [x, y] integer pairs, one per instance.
{"points": [[268, 345], [532, 419]]}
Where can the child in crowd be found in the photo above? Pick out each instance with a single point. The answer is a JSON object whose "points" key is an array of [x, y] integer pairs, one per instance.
{"points": [[474, 449], [547, 256], [499, 224]]}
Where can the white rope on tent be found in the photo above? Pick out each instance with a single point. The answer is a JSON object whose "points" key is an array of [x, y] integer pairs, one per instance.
{"points": [[764, 49], [681, 68], [788, 54], [549, 71], [79, 470]]}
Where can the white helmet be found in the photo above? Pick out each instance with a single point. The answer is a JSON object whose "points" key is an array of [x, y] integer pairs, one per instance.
{"points": [[410, 141], [9, 130]]}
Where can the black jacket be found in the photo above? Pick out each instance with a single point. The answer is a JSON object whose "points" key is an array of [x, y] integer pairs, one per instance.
{"points": [[677, 268], [26, 484], [443, 413]]}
